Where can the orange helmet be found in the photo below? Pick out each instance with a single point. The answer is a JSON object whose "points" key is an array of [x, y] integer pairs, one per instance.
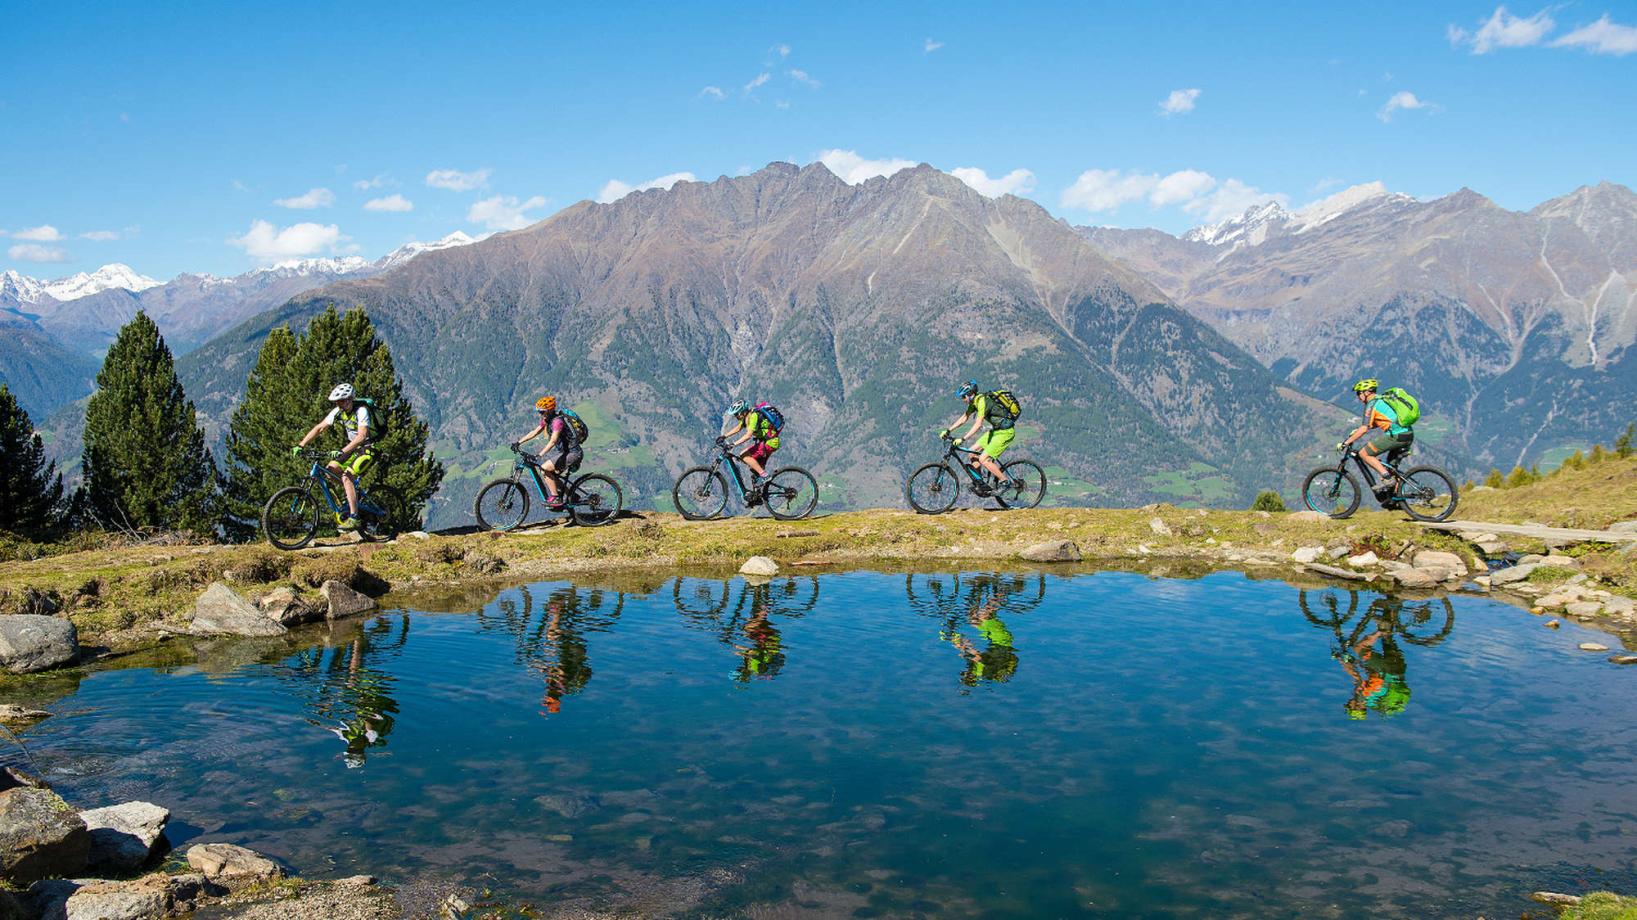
{"points": [[546, 404]]}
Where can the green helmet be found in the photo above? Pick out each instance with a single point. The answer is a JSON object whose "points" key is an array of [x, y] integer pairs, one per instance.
{"points": [[1368, 383]]}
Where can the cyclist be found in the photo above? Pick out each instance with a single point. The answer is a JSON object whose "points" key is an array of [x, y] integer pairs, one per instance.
{"points": [[1394, 438], [351, 461], [1378, 676], [562, 453], [753, 424], [994, 442]]}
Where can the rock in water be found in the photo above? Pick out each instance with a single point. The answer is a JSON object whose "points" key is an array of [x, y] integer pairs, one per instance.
{"points": [[1159, 527], [1335, 572], [285, 607], [232, 866], [1415, 578], [1593, 647], [759, 565], [123, 837], [40, 836], [344, 601], [31, 642], [220, 611], [1052, 551]]}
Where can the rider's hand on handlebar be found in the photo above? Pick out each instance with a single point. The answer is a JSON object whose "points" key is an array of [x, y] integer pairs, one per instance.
{"points": [[335, 455], [295, 451], [1341, 447], [513, 445]]}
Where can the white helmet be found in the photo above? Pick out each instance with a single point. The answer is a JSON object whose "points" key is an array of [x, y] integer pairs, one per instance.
{"points": [[341, 391]]}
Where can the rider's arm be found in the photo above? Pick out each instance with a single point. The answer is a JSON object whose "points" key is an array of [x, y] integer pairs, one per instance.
{"points": [[972, 432], [357, 442], [533, 434], [734, 430], [317, 429], [747, 432], [550, 443], [1357, 433]]}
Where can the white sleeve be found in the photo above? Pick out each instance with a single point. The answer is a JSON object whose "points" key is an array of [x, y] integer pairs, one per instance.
{"points": [[363, 416], [334, 413]]}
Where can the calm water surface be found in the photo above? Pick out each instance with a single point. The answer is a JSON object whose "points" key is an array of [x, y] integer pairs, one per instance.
{"points": [[874, 745]]}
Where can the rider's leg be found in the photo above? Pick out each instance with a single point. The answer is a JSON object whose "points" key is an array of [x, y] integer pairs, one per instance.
{"points": [[549, 469], [1368, 455], [994, 444], [347, 486], [754, 458]]}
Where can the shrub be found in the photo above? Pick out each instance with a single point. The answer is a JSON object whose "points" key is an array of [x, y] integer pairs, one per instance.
{"points": [[1268, 500], [1495, 480], [1622, 444]]}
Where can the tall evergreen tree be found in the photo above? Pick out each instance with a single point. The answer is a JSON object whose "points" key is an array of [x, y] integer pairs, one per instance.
{"points": [[31, 489], [145, 460], [288, 391]]}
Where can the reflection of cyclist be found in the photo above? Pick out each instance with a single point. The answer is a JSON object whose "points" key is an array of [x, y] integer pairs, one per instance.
{"points": [[998, 660], [566, 665], [365, 693], [1378, 675], [764, 656]]}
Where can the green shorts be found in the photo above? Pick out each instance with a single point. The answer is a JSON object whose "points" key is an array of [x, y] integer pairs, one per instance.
{"points": [[358, 464], [1387, 443], [995, 441]]}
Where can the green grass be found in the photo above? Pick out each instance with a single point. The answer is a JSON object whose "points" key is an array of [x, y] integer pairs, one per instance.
{"points": [[1602, 905]]}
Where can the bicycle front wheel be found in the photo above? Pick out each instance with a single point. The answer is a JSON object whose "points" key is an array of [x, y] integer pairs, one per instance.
{"points": [[1428, 494], [594, 500], [1332, 492], [290, 518], [790, 494], [933, 489], [1027, 487], [700, 494], [502, 505]]}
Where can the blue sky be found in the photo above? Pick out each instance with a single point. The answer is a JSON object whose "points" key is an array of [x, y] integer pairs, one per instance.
{"points": [[160, 135]]}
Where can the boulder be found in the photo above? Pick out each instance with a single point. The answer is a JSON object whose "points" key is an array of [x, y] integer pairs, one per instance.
{"points": [[12, 777], [40, 836], [1415, 578], [285, 607], [1623, 659], [146, 898], [343, 601], [232, 866], [1052, 551], [32, 642], [1307, 554], [1492, 547], [1429, 558], [1363, 560], [1620, 605], [1531, 559], [759, 565], [1159, 527], [1561, 562], [1307, 515], [1583, 609], [13, 715], [123, 837], [1335, 572], [220, 611], [1509, 575]]}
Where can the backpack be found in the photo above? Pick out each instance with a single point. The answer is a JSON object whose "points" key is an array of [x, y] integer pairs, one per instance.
{"points": [[1407, 407], [378, 425], [576, 425], [772, 416], [1003, 403]]}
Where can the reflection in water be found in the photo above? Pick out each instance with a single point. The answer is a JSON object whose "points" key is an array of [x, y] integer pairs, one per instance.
{"points": [[344, 693], [1368, 649], [746, 624], [977, 602], [554, 643]]}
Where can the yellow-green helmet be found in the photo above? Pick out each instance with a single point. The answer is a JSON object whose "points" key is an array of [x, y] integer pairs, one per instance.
{"points": [[1368, 383]]}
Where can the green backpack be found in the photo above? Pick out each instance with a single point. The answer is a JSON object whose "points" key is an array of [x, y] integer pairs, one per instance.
{"points": [[1407, 407], [378, 421], [1003, 404]]}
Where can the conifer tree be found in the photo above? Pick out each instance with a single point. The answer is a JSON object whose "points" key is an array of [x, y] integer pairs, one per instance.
{"points": [[145, 460], [1623, 444], [288, 391], [31, 489]]}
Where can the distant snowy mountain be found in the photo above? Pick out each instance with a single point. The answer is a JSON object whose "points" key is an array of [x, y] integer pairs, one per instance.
{"points": [[17, 290], [1264, 222], [410, 250]]}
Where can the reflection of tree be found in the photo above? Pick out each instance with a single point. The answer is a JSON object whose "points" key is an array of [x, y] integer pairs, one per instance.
{"points": [[345, 693], [746, 624], [554, 642], [973, 604], [1366, 645]]}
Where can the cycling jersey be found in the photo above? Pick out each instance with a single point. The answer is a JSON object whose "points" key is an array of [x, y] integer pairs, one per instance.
{"points": [[353, 422]]}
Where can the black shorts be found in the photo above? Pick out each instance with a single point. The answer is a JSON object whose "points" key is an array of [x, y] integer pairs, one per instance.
{"points": [[565, 461]]}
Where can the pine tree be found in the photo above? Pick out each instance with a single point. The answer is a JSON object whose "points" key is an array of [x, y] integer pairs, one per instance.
{"points": [[288, 391], [145, 460], [1268, 500], [1622, 445], [1495, 480], [31, 489]]}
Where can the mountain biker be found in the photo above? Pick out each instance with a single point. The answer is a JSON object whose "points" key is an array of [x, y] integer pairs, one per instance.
{"points": [[562, 453], [351, 461], [994, 441], [1395, 439], [1378, 676], [754, 425], [998, 660]]}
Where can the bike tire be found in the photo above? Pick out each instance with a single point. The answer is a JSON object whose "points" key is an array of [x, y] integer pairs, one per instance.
{"points": [[595, 500], [289, 520], [1030, 486], [1436, 492], [508, 505], [1323, 491], [790, 494], [391, 503], [707, 491], [1427, 630], [938, 485], [696, 598]]}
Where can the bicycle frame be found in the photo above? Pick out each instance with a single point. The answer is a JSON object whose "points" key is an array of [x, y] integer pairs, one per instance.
{"points": [[963, 458], [1365, 469], [322, 474], [726, 453]]}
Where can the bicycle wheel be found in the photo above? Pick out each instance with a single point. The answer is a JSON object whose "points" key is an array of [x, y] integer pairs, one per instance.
{"points": [[502, 505], [594, 500], [933, 489], [381, 512], [700, 494], [1428, 494], [290, 518], [1426, 623], [1028, 485], [790, 493], [1331, 491], [700, 599]]}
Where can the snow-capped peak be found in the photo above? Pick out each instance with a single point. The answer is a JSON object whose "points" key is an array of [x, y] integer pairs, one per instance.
{"points": [[1266, 221], [84, 284], [340, 266], [1328, 209], [410, 250], [1249, 228]]}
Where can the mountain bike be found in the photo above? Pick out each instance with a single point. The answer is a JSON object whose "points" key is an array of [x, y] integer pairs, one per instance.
{"points": [[591, 500], [935, 487], [701, 493], [1425, 622], [291, 518], [1425, 493]]}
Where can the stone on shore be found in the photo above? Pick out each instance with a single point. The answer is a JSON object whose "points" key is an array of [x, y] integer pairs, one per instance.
{"points": [[123, 837], [1561, 562], [1159, 527], [343, 601], [1415, 578], [147, 898], [1363, 560], [31, 642], [1335, 572], [759, 565], [1583, 610], [1429, 558], [12, 714], [40, 836], [1509, 575], [1492, 547], [1307, 554], [1308, 515], [220, 611], [285, 607], [1623, 527], [232, 866], [1051, 551], [1593, 647]]}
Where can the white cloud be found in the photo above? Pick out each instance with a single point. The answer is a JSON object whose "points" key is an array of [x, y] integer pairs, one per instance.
{"points": [[615, 189], [783, 50], [1016, 182], [101, 236], [932, 45], [1328, 182], [45, 233], [1107, 189], [1180, 102], [1601, 37], [456, 181], [504, 212], [757, 81], [1404, 100], [393, 203], [34, 252], [267, 243], [713, 93], [1182, 186], [1197, 192], [853, 169], [364, 185], [782, 104], [804, 78], [314, 198], [1231, 199], [1504, 30]]}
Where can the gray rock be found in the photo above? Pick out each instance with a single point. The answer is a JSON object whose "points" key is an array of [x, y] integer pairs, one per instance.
{"points": [[285, 607], [1335, 572], [1555, 899], [1492, 547], [220, 611], [1429, 558], [1620, 605], [569, 805], [40, 836], [485, 564], [123, 837], [1158, 526], [1415, 578], [12, 777], [1338, 551], [32, 642], [1623, 527], [1307, 554], [232, 866], [139, 900], [1531, 559], [1052, 551], [1593, 647], [1623, 659], [12, 714], [1561, 562], [1363, 560], [1509, 575], [343, 601], [1307, 515], [1583, 609], [759, 565]]}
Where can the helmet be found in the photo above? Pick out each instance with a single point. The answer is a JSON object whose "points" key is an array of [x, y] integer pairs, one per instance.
{"points": [[341, 391], [1368, 383], [739, 407], [967, 389], [546, 404]]}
